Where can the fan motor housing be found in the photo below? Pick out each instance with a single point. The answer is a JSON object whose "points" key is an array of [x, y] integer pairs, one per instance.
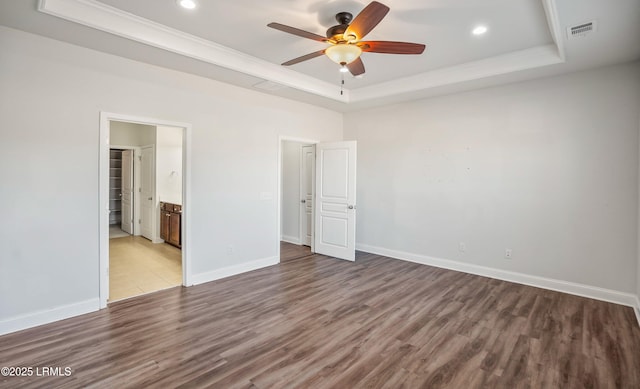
{"points": [[336, 32]]}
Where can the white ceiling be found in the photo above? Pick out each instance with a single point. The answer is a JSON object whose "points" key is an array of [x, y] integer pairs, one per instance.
{"points": [[229, 41], [444, 25]]}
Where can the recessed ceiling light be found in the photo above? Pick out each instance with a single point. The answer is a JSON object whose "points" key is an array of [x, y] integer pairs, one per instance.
{"points": [[188, 4], [479, 30]]}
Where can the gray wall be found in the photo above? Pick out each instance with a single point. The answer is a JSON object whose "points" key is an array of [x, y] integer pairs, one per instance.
{"points": [[548, 168], [131, 134], [50, 101]]}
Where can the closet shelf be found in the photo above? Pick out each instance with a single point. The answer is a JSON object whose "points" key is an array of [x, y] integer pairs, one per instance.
{"points": [[115, 179]]}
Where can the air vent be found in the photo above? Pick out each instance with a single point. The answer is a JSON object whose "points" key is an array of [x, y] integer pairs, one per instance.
{"points": [[269, 86], [581, 30]]}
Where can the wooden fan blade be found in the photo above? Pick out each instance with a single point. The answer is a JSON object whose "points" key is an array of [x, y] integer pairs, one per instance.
{"points": [[388, 47], [366, 20], [303, 58], [356, 67], [297, 31]]}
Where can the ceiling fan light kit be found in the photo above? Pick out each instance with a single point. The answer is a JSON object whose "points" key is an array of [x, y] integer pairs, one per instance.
{"points": [[343, 54], [345, 41]]}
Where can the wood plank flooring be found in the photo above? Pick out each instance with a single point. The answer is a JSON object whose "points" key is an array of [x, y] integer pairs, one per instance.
{"points": [[319, 322], [290, 252]]}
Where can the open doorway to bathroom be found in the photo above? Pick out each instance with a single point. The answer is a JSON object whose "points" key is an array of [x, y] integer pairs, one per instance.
{"points": [[145, 208]]}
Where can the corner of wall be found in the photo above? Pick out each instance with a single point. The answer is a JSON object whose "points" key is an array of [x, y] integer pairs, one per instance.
{"points": [[637, 307], [290, 239]]}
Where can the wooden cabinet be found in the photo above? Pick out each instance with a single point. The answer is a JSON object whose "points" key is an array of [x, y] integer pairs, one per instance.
{"points": [[170, 223]]}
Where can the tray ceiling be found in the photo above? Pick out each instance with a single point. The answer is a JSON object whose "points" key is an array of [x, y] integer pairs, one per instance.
{"points": [[525, 39]]}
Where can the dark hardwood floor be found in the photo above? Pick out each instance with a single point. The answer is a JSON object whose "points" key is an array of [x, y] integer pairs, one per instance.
{"points": [[318, 322], [290, 252]]}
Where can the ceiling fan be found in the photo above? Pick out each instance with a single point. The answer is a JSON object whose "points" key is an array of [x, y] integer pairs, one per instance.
{"points": [[346, 39]]}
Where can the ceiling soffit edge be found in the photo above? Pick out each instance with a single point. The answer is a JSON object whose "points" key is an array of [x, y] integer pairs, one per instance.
{"points": [[114, 21], [109, 19]]}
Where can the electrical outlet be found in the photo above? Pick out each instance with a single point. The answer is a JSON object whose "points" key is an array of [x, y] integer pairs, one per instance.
{"points": [[462, 247], [508, 253]]}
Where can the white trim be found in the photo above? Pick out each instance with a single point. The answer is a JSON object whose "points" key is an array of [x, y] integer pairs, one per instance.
{"points": [[155, 228], [291, 239], [103, 196], [115, 21], [302, 212], [301, 209], [583, 290], [45, 316], [282, 138], [233, 270], [636, 309], [551, 12], [118, 22], [516, 61], [185, 228]]}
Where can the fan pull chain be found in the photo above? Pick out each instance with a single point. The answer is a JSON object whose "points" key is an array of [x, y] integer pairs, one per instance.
{"points": [[342, 85]]}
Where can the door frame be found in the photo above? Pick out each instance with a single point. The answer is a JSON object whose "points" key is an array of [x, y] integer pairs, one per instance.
{"points": [[302, 214], [103, 195], [136, 183], [155, 236], [281, 139]]}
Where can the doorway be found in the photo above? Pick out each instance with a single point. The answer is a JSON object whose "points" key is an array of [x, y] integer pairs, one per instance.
{"points": [[146, 165], [296, 190], [151, 163], [297, 158], [317, 199], [123, 177]]}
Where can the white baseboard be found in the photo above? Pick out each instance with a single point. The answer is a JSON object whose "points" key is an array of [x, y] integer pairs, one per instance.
{"points": [[34, 319], [636, 309], [290, 239], [233, 270], [593, 292]]}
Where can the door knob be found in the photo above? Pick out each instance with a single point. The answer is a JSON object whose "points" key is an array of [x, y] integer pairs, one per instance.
{"points": [[303, 201], [351, 206]]}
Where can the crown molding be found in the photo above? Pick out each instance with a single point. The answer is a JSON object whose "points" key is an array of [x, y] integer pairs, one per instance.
{"points": [[551, 12], [488, 67], [109, 19]]}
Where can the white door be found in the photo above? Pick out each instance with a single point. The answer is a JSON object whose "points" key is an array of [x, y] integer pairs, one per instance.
{"points": [[307, 166], [127, 191], [147, 172], [335, 205]]}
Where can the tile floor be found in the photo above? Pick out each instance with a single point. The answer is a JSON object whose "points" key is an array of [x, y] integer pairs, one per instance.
{"points": [[116, 232], [137, 266]]}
